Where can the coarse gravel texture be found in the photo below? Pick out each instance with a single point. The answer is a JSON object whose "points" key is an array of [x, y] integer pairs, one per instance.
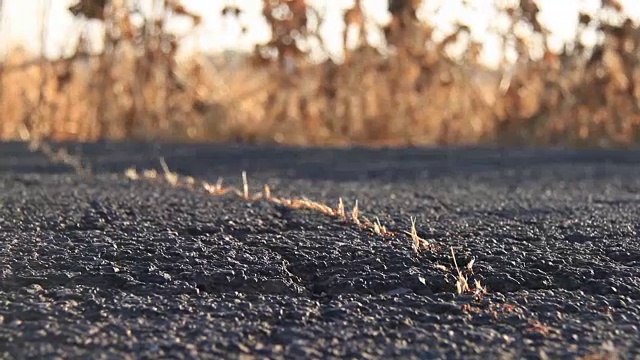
{"points": [[100, 266]]}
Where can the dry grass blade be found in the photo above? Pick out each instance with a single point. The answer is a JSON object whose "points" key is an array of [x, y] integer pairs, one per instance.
{"points": [[414, 235], [267, 192], [340, 211], [245, 186], [219, 183], [218, 188], [355, 213], [190, 181], [478, 288], [462, 286], [418, 242], [150, 174], [470, 265], [323, 208], [306, 204], [132, 173], [378, 228], [276, 200], [210, 188], [170, 177]]}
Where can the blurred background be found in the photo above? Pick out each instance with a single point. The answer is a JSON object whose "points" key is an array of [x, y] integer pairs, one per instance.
{"points": [[322, 72]]}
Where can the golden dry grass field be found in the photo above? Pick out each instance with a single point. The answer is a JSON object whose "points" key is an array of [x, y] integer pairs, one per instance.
{"points": [[417, 94]]}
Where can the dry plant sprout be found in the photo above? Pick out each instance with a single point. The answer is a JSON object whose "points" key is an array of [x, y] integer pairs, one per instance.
{"points": [[418, 242], [462, 282], [413, 88]]}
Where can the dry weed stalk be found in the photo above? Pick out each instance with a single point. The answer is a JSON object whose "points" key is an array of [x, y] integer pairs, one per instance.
{"points": [[190, 181], [214, 189], [150, 174], [462, 286], [470, 265], [378, 228], [355, 214], [417, 241], [479, 289], [132, 174], [340, 210], [267, 192], [462, 283], [170, 177], [245, 186]]}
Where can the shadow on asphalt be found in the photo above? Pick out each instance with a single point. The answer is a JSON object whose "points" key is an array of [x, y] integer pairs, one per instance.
{"points": [[355, 164]]}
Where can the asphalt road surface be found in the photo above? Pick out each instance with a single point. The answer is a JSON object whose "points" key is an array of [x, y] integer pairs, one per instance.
{"points": [[101, 266]]}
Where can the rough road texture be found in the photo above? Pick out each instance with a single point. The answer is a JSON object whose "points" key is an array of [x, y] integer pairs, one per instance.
{"points": [[103, 266]]}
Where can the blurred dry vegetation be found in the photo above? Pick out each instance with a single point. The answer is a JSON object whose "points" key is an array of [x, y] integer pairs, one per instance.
{"points": [[412, 91]]}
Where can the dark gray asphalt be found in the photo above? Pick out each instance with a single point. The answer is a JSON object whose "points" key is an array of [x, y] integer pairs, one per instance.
{"points": [[104, 267]]}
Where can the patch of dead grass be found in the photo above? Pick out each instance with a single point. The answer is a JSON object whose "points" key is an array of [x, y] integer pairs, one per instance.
{"points": [[416, 95]]}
